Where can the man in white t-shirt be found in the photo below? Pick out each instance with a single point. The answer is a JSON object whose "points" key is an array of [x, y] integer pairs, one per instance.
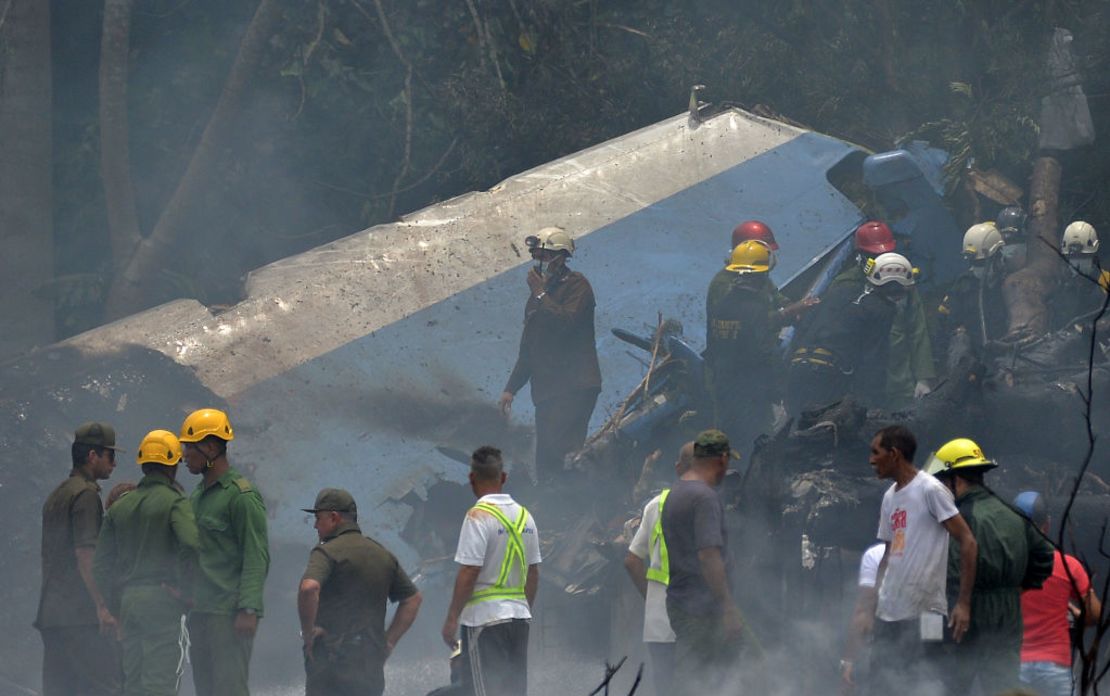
{"points": [[648, 544], [499, 571], [918, 517]]}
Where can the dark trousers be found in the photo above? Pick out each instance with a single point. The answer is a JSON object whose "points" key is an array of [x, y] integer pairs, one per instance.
{"points": [[347, 667], [561, 424], [993, 658], [662, 667], [705, 660], [221, 659], [78, 661], [495, 658], [901, 662]]}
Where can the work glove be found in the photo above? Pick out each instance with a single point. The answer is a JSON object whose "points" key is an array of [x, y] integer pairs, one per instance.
{"points": [[921, 389]]}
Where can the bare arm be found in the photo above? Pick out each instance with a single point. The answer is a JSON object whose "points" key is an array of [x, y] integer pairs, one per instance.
{"points": [[464, 590], [969, 555], [308, 603], [402, 620], [637, 571], [713, 570], [531, 584], [1092, 607]]}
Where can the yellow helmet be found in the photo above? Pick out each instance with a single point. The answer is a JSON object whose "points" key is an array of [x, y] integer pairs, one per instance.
{"points": [[751, 256], [958, 454], [159, 447], [207, 421]]}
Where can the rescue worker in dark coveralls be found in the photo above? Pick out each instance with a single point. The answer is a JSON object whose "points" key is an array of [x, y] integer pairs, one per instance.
{"points": [[740, 344], [843, 350], [342, 601], [232, 563], [974, 308], [80, 653], [784, 312], [147, 551], [558, 352], [1010, 222], [1085, 286], [910, 368], [1013, 556]]}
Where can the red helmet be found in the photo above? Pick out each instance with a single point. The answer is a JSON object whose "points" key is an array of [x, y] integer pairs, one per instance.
{"points": [[874, 237], [754, 230]]}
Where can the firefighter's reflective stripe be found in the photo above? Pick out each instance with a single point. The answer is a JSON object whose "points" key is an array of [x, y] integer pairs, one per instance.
{"points": [[813, 356], [662, 574], [514, 559]]}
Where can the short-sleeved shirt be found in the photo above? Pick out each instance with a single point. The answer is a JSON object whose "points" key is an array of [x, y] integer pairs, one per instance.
{"points": [[483, 542], [869, 565], [234, 553], [693, 519], [657, 627], [71, 519], [917, 554], [1045, 613], [357, 577]]}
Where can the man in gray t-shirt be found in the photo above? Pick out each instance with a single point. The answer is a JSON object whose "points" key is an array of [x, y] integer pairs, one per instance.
{"points": [[703, 616]]}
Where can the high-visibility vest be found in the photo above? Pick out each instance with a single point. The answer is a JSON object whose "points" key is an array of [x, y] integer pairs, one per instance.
{"points": [[662, 574], [514, 559]]}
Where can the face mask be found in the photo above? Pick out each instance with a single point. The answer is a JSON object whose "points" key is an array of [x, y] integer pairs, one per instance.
{"points": [[1083, 265], [1013, 256]]}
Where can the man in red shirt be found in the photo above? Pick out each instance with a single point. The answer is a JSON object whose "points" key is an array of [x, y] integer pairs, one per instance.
{"points": [[1046, 642]]}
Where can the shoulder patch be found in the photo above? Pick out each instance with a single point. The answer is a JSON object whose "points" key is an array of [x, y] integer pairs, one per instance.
{"points": [[244, 485]]}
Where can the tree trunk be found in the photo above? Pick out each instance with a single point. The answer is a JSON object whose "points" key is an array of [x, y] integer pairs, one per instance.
{"points": [[115, 158], [26, 221], [135, 286], [1027, 291]]}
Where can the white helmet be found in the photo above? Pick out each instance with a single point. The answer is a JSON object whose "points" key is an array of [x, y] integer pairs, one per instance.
{"points": [[982, 241], [1079, 238], [889, 268], [552, 239]]}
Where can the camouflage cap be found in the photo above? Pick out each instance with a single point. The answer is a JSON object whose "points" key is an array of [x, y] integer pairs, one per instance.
{"points": [[711, 443], [333, 500], [97, 435]]}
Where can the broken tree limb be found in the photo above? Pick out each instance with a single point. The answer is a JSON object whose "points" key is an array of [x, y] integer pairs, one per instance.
{"points": [[132, 287], [1027, 291], [115, 152]]}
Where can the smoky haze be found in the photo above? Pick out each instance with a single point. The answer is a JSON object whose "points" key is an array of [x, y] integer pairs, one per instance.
{"points": [[373, 338]]}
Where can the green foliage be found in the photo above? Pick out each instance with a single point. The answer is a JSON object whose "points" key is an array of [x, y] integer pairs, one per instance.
{"points": [[499, 86]]}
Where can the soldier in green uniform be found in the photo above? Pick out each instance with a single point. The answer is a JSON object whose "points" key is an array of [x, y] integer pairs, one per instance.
{"points": [[342, 601], [77, 658], [232, 563], [1013, 556], [146, 551]]}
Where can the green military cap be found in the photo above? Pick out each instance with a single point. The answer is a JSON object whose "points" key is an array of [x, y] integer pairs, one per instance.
{"points": [[712, 443], [333, 500], [97, 435]]}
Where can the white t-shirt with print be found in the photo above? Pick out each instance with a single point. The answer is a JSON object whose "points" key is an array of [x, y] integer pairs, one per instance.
{"points": [[657, 627], [482, 542], [869, 565], [917, 555]]}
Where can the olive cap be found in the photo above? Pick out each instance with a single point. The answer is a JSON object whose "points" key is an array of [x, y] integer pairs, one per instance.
{"points": [[711, 443], [97, 435], [333, 500]]}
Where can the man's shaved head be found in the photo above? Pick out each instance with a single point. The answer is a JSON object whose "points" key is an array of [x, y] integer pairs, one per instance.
{"points": [[685, 458]]}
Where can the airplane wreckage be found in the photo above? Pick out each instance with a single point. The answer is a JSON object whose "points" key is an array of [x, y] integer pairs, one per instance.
{"points": [[360, 363]]}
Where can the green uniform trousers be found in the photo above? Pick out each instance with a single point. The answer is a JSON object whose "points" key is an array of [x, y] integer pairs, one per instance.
{"points": [[705, 660], [348, 667], [153, 641], [78, 661], [221, 659]]}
